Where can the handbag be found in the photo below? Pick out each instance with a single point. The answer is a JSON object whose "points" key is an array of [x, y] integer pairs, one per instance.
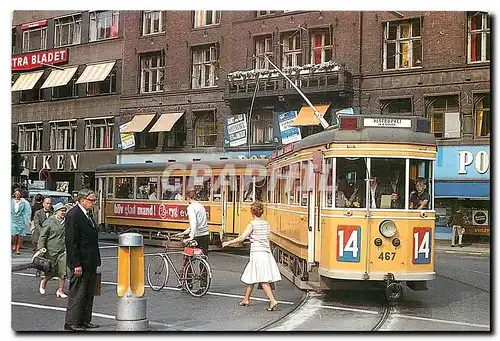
{"points": [[97, 284], [42, 264]]}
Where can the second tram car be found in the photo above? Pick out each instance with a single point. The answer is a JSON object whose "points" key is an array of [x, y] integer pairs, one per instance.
{"points": [[356, 204]]}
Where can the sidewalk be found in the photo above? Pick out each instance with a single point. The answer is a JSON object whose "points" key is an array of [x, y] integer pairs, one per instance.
{"points": [[477, 249]]}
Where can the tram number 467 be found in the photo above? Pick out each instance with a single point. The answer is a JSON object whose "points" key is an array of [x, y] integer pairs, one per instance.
{"points": [[348, 242], [422, 245]]}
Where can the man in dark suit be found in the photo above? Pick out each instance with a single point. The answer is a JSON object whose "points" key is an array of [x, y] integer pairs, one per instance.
{"points": [[39, 216], [83, 258], [396, 187]]}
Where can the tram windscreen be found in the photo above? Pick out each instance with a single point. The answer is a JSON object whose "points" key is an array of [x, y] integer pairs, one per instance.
{"points": [[387, 187]]}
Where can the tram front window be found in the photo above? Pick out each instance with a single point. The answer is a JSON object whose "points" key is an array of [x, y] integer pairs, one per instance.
{"points": [[387, 187], [350, 183], [421, 193]]}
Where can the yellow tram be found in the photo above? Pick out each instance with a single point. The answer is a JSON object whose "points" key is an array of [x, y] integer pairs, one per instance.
{"points": [[150, 197], [344, 206]]}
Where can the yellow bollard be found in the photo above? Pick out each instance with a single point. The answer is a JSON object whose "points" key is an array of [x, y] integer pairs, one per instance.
{"points": [[130, 271]]}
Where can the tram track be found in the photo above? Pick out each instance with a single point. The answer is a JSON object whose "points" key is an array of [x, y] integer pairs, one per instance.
{"points": [[302, 302], [386, 311], [464, 283]]}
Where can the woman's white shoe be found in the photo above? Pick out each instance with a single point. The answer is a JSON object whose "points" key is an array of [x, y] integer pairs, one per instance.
{"points": [[41, 289], [61, 294]]}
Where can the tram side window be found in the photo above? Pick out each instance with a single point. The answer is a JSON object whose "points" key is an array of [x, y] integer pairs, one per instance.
{"points": [[173, 188], [261, 189], [327, 183], [124, 187], [217, 188], [202, 186], [421, 176], [284, 185], [233, 188], [110, 187], [351, 174], [387, 187], [248, 188], [295, 181], [146, 188], [305, 182]]}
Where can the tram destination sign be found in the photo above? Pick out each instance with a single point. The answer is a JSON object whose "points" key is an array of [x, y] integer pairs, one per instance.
{"points": [[387, 122], [152, 211]]}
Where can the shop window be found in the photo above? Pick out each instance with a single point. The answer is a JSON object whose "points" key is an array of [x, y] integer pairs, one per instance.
{"points": [[69, 90], [176, 137], [444, 114], [63, 135], [205, 127], [68, 30], [292, 51], [402, 45], [30, 137], [321, 47], [205, 67], [152, 22], [206, 18], [99, 133], [103, 25], [264, 13], [478, 27], [263, 48], [396, 106], [172, 188], [262, 127], [106, 87], [35, 39], [482, 115], [152, 72], [124, 187], [147, 188]]}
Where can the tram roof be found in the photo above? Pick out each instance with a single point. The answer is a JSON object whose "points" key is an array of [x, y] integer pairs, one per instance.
{"points": [[152, 166]]}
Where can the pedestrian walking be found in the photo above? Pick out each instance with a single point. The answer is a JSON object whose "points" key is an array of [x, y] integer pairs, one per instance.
{"points": [[198, 223], [52, 239], [38, 204], [83, 258], [457, 229], [39, 217], [262, 267], [20, 214]]}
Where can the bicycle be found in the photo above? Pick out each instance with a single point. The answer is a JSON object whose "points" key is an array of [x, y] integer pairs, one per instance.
{"points": [[195, 270]]}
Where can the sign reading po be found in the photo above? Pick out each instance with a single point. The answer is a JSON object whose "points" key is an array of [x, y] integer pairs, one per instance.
{"points": [[465, 159]]}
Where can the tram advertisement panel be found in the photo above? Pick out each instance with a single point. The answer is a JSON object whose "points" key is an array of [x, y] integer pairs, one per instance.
{"points": [[153, 211], [348, 243], [422, 245]]}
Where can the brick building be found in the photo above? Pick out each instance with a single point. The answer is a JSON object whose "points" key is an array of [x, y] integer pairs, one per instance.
{"points": [[178, 76]]}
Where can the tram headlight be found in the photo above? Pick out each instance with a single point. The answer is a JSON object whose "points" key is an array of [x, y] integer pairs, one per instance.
{"points": [[387, 228], [396, 242]]}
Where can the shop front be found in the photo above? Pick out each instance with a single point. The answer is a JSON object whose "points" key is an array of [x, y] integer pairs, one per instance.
{"points": [[462, 182]]}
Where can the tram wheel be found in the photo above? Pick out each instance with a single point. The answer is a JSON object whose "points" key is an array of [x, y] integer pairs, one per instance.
{"points": [[394, 292]]}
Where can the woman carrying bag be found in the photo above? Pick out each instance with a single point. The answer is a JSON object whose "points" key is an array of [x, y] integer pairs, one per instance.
{"points": [[52, 239], [262, 267]]}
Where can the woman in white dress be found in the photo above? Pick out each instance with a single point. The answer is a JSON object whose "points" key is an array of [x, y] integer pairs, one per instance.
{"points": [[262, 267]]}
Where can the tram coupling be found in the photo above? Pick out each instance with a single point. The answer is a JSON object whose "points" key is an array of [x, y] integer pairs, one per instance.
{"points": [[393, 289]]}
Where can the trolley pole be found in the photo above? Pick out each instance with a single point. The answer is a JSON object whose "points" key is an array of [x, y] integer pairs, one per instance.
{"points": [[131, 311], [323, 122]]}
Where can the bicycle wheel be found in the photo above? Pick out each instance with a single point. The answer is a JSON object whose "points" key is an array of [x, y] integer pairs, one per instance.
{"points": [[197, 277], [157, 272]]}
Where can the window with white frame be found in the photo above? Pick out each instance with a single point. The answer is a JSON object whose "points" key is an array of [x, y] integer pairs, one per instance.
{"points": [[30, 137], [262, 127], [262, 13], [68, 30], [205, 127], [35, 39], [99, 133], [292, 51], [152, 71], [103, 25], [66, 91], [206, 18], [482, 115], [205, 67], [402, 45], [106, 87], [479, 37], [152, 22], [263, 48], [444, 114], [321, 47], [63, 135]]}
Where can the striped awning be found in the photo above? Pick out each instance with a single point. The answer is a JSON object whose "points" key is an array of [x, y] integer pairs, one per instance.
{"points": [[59, 77], [306, 115], [27, 81], [138, 123], [166, 122], [96, 72]]}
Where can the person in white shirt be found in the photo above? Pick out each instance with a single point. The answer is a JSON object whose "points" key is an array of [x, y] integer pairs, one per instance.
{"points": [[198, 222]]}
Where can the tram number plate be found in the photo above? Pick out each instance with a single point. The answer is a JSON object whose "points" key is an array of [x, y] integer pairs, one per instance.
{"points": [[387, 255], [422, 245], [348, 243]]}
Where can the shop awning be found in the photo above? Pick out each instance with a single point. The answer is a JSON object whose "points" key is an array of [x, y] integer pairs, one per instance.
{"points": [[138, 123], [166, 122], [462, 189], [306, 115], [59, 77], [27, 81], [96, 72]]}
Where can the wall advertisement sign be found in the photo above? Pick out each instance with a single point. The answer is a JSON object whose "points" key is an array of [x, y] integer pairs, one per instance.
{"points": [[288, 133]]}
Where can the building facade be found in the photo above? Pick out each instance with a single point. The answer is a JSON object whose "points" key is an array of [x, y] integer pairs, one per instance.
{"points": [[201, 84]]}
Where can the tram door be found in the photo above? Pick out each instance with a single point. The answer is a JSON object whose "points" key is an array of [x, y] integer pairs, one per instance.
{"points": [[311, 212], [233, 203]]}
